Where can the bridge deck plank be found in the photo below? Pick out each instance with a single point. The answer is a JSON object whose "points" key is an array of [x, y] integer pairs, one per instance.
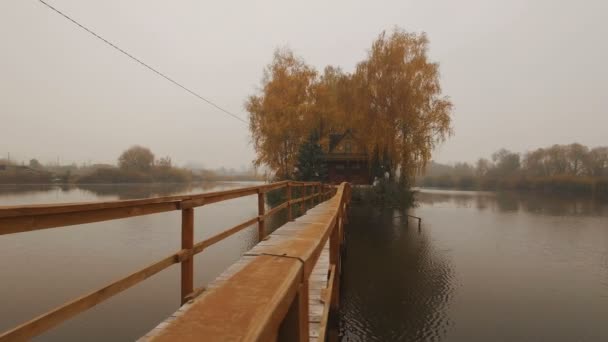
{"points": [[318, 279]]}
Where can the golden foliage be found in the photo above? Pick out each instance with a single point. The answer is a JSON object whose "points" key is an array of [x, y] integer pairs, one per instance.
{"points": [[392, 102], [280, 116]]}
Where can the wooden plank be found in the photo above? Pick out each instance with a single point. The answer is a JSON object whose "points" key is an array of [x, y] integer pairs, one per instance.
{"points": [[295, 241], [211, 198], [46, 209], [249, 306], [195, 293], [294, 326], [326, 307], [26, 218], [205, 198], [276, 209], [318, 285], [18, 224], [199, 247], [275, 186], [301, 199]]}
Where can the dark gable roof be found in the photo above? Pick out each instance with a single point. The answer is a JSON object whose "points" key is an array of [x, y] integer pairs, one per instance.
{"points": [[335, 138]]}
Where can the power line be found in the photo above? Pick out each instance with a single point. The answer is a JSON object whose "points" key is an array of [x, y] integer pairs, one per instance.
{"points": [[141, 62]]}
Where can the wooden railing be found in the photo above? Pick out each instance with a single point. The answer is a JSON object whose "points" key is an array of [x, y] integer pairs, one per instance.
{"points": [[18, 219], [255, 304]]}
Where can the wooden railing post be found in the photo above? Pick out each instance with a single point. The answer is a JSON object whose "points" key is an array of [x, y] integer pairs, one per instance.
{"points": [[302, 203], [321, 199], [261, 212], [187, 243], [289, 213], [294, 326], [310, 193]]}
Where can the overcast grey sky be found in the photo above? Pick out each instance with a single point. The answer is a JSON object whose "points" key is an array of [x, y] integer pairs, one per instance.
{"points": [[521, 74]]}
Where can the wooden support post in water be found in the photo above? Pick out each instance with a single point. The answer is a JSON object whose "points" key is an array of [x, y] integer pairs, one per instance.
{"points": [[295, 324], [261, 212], [289, 213], [334, 259], [188, 263]]}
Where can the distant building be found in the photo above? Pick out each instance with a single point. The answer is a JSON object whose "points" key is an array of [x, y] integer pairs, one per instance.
{"points": [[347, 160]]}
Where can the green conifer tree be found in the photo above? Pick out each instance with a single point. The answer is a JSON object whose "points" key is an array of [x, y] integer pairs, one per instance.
{"points": [[311, 161]]}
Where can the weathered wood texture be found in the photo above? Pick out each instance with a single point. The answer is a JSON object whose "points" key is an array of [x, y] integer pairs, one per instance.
{"points": [[187, 274], [17, 219], [260, 297]]}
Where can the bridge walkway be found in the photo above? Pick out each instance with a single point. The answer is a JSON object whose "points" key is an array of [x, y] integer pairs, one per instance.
{"points": [[318, 281]]}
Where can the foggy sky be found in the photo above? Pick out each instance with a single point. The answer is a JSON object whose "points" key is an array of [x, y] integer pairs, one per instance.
{"points": [[521, 74]]}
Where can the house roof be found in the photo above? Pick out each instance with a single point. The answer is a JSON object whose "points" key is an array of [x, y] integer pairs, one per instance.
{"points": [[335, 138]]}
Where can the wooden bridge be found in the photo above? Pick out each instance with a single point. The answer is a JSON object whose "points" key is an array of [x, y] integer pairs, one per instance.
{"points": [[282, 289]]}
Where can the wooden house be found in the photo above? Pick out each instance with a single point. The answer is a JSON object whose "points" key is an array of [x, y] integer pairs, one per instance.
{"points": [[346, 160]]}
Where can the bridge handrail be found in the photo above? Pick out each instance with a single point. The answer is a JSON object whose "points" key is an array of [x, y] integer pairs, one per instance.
{"points": [[254, 304], [25, 218]]}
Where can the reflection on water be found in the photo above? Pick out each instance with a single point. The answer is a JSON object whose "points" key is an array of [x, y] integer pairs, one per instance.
{"points": [[556, 205], [114, 191], [41, 270], [484, 267], [395, 285]]}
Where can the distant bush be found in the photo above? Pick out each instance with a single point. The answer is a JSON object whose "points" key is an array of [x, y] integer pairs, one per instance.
{"points": [[384, 193], [156, 175], [111, 176], [466, 182], [21, 175], [171, 175]]}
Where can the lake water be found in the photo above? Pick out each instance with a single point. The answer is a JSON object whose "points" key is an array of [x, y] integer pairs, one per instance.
{"points": [[43, 269], [483, 267]]}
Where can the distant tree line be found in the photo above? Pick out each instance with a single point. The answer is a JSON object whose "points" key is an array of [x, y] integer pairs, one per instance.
{"points": [[135, 165], [138, 165], [561, 168], [33, 173]]}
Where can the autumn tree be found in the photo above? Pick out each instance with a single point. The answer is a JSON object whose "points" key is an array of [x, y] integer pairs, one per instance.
{"points": [[136, 158], [597, 162], [393, 100], [332, 102], [482, 167], [280, 115], [576, 155], [399, 103], [506, 162]]}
